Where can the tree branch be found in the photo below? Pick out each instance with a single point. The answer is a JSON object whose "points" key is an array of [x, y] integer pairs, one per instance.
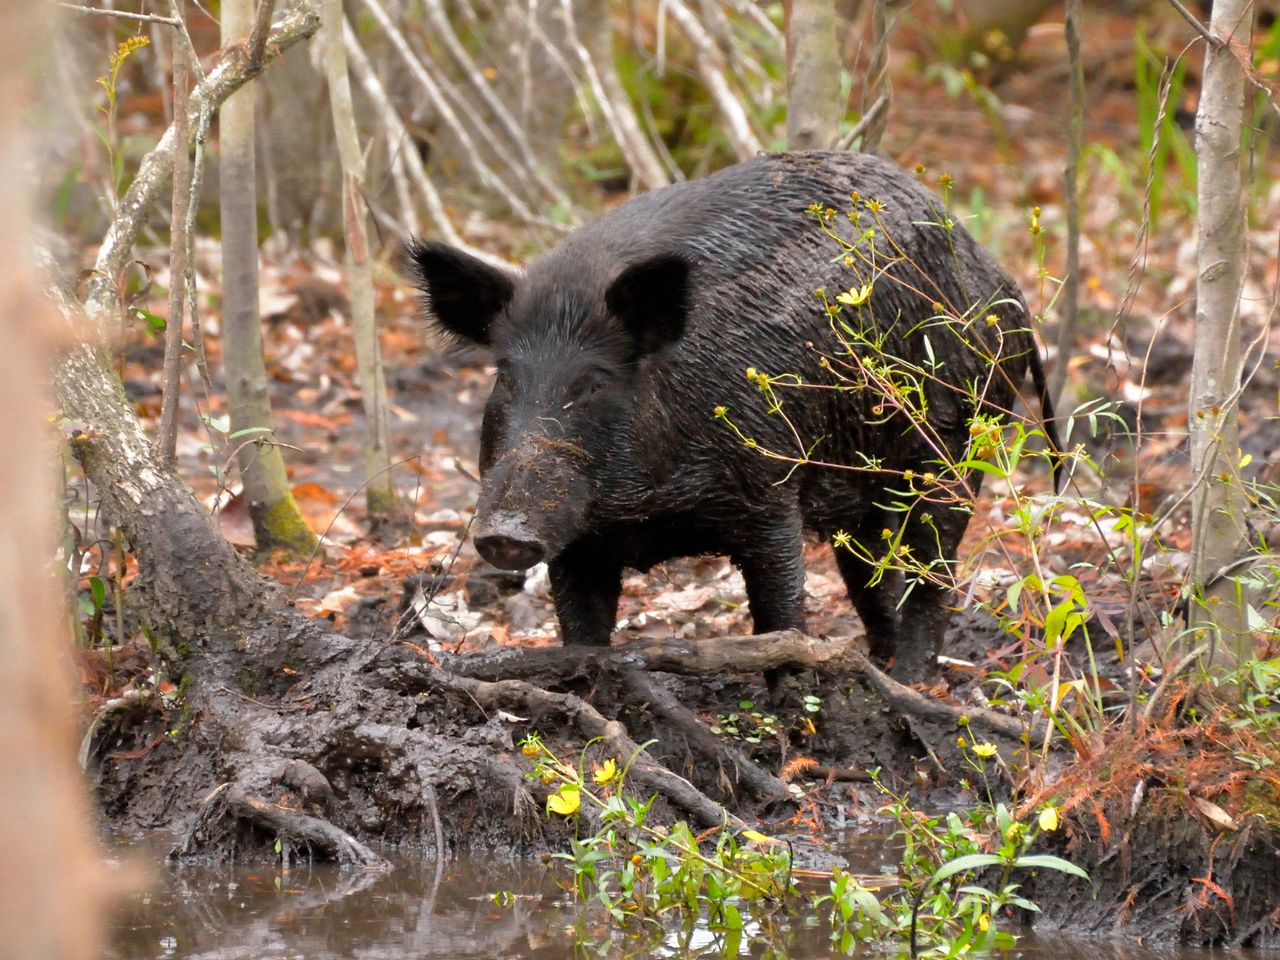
{"points": [[232, 72]]}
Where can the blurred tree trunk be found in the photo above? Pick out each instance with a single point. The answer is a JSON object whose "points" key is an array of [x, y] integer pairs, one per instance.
{"points": [[1218, 505], [277, 524], [50, 894], [381, 502], [814, 103]]}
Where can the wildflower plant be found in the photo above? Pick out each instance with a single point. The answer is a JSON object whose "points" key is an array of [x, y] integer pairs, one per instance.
{"points": [[956, 878], [108, 134], [635, 870]]}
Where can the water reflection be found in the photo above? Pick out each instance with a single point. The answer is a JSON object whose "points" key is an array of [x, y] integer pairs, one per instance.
{"points": [[420, 911]]}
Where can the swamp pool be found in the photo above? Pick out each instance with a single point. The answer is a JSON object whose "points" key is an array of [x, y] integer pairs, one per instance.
{"points": [[423, 910]]}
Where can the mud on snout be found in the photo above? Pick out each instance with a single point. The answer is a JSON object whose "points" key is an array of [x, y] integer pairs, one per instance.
{"points": [[533, 503]]}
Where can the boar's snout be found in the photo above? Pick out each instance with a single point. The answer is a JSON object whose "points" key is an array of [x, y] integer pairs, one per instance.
{"points": [[507, 542]]}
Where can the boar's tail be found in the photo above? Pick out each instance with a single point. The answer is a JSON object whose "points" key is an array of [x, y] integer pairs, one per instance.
{"points": [[1047, 417]]}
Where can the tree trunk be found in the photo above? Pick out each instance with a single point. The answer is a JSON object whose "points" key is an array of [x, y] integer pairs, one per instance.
{"points": [[381, 501], [277, 524], [814, 103], [1219, 536]]}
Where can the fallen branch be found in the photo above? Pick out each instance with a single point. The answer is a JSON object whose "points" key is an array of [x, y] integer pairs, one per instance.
{"points": [[913, 703], [708, 657]]}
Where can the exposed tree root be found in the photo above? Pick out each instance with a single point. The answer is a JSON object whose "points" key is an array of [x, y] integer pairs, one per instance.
{"points": [[296, 826], [758, 783], [782, 650], [517, 695]]}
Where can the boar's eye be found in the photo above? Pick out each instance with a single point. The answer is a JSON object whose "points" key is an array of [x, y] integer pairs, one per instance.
{"points": [[503, 380], [595, 382]]}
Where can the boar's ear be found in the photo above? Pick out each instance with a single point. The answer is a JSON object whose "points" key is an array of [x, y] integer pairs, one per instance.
{"points": [[651, 299], [462, 292]]}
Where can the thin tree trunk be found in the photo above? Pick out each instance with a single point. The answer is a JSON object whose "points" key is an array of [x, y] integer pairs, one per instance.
{"points": [[382, 503], [1075, 143], [1218, 503], [168, 431], [51, 896], [277, 524], [814, 102]]}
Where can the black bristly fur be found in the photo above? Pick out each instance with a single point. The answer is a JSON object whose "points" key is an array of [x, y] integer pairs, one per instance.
{"points": [[600, 444]]}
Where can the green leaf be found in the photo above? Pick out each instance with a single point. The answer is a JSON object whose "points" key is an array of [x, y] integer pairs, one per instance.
{"points": [[154, 323], [732, 917], [972, 861], [99, 591], [1047, 861], [982, 467]]}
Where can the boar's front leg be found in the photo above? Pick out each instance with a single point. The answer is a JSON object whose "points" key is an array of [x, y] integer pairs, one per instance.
{"points": [[585, 584], [771, 557]]}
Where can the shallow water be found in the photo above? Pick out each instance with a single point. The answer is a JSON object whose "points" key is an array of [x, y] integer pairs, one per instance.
{"points": [[420, 910]]}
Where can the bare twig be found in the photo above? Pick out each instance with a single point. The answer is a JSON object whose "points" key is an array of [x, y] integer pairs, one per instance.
{"points": [[873, 116], [711, 67], [399, 145], [619, 115], [261, 27], [450, 117], [121, 15], [878, 83], [528, 167], [1196, 25]]}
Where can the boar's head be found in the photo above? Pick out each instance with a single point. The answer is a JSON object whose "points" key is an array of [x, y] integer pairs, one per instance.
{"points": [[569, 343]]}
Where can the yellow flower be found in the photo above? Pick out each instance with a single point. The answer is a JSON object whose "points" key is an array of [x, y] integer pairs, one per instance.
{"points": [[1049, 819], [605, 772], [984, 923], [564, 801], [985, 749], [757, 837], [856, 296]]}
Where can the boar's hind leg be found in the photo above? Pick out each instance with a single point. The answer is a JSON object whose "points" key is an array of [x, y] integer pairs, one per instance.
{"points": [[770, 554], [926, 609], [585, 585], [877, 604]]}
